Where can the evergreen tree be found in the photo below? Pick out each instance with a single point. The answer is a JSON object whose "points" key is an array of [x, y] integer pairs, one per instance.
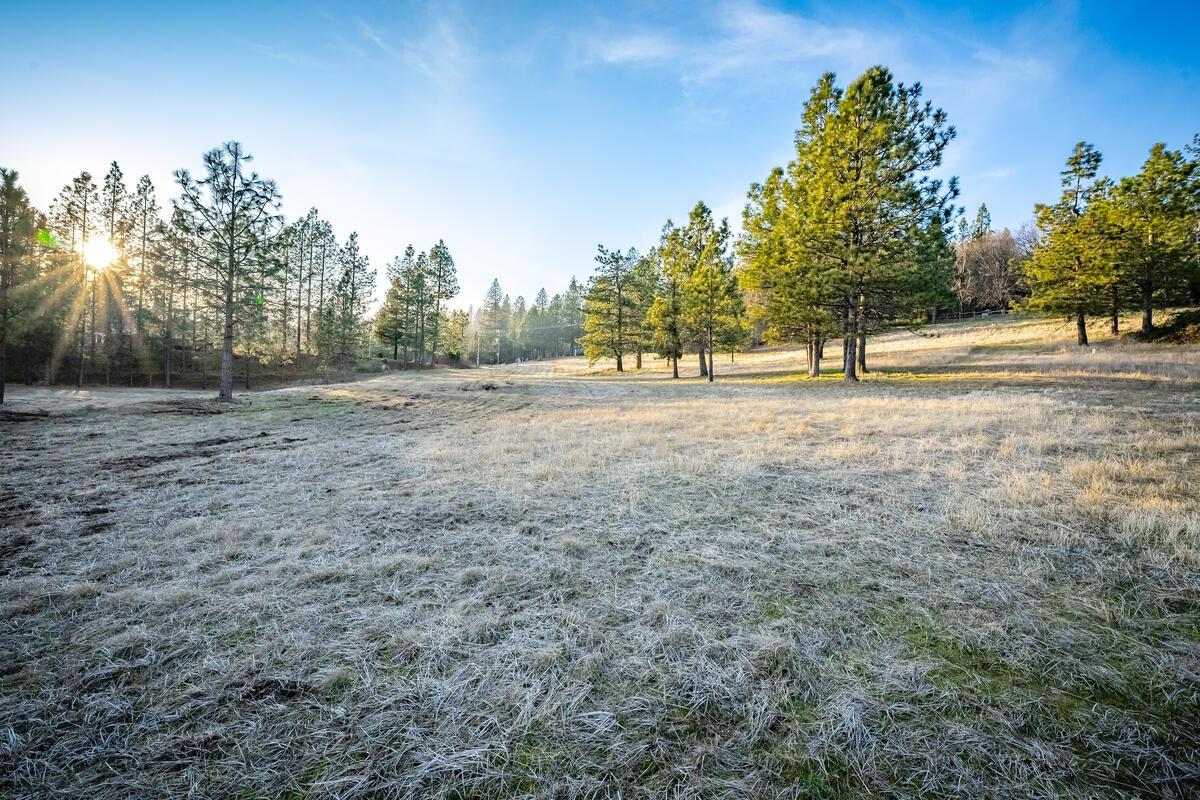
{"points": [[608, 307], [76, 213], [711, 305], [572, 317], [389, 320], [443, 285], [982, 225], [1070, 272], [785, 284], [836, 236], [457, 342], [517, 326], [931, 280], [1151, 217], [145, 220], [665, 313], [866, 194], [16, 245], [493, 320], [230, 211], [644, 279]]}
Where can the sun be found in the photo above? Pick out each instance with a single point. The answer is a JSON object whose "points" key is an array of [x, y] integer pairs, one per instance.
{"points": [[99, 253]]}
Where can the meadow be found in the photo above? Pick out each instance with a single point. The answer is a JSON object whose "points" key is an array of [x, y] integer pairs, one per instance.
{"points": [[975, 574]]}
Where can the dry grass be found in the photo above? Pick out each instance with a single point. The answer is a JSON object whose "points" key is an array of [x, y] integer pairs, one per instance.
{"points": [[976, 574]]}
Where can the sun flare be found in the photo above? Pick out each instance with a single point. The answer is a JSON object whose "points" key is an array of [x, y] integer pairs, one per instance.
{"points": [[99, 253]]}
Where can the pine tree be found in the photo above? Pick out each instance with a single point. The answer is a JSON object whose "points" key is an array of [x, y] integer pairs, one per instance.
{"points": [[144, 218], [982, 225], [16, 244], [456, 339], [390, 321], [835, 236], [1151, 219], [443, 284], [351, 298], [608, 307], [683, 251], [1070, 271], [644, 279], [712, 306], [76, 213], [785, 284], [231, 213], [493, 320]]}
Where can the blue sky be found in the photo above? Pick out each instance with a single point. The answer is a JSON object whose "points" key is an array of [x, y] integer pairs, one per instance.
{"points": [[524, 134]]}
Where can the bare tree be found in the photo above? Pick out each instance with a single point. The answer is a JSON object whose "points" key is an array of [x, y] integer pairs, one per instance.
{"points": [[989, 274]]}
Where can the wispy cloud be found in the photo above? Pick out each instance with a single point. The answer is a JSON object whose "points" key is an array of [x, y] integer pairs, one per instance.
{"points": [[376, 38], [635, 48], [438, 52], [738, 40]]}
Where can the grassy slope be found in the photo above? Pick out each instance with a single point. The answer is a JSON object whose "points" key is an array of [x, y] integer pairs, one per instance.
{"points": [[975, 574]]}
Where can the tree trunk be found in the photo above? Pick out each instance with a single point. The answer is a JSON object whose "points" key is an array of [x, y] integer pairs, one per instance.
{"points": [[710, 357], [437, 313], [79, 380], [225, 394], [299, 304], [639, 359], [862, 353], [703, 364], [850, 345], [5, 271], [1081, 329], [620, 366], [814, 358], [675, 366], [1116, 312], [1147, 311], [92, 346]]}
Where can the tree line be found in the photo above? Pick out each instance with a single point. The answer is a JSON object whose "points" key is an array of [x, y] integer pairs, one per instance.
{"points": [[852, 233], [502, 330], [412, 326], [1109, 246], [680, 297], [856, 233], [106, 286]]}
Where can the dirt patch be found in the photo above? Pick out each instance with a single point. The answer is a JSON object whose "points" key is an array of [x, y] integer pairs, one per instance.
{"points": [[277, 689], [188, 407], [22, 416], [217, 440], [15, 511], [11, 544], [202, 448]]}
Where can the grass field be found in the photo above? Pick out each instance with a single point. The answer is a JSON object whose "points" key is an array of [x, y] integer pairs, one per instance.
{"points": [[976, 574]]}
